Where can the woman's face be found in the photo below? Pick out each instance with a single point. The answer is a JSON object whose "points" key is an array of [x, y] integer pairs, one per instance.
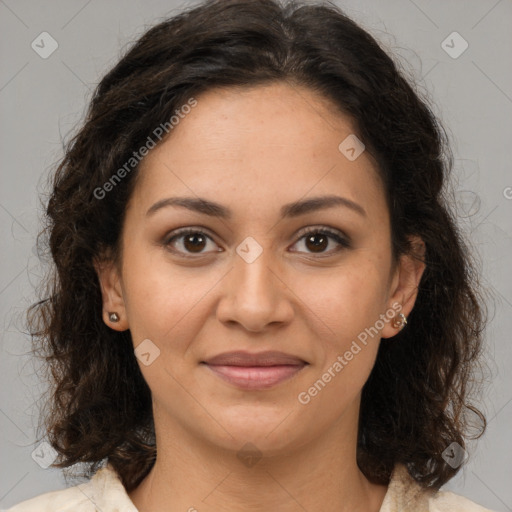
{"points": [[250, 278]]}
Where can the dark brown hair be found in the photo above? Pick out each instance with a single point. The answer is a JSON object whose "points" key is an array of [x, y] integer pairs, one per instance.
{"points": [[414, 402]]}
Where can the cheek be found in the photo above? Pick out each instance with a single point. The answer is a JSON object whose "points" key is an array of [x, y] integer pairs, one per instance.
{"points": [[346, 306], [347, 299], [161, 299]]}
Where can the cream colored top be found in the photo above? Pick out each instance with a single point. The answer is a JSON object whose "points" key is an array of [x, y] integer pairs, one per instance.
{"points": [[105, 493]]}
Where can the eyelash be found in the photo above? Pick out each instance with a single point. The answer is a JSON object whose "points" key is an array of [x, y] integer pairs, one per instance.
{"points": [[342, 240]]}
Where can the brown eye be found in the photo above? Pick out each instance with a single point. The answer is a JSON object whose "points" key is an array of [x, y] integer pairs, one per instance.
{"points": [[318, 240], [194, 242], [188, 241]]}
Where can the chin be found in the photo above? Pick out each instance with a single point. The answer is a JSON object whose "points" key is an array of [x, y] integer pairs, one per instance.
{"points": [[259, 427]]}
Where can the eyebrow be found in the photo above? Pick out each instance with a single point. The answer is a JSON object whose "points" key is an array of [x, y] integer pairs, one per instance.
{"points": [[290, 210]]}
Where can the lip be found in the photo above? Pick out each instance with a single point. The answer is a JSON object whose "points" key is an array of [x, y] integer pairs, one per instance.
{"points": [[242, 358], [253, 371]]}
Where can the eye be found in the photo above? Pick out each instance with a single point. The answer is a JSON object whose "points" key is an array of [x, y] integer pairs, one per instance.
{"points": [[317, 240], [190, 241]]}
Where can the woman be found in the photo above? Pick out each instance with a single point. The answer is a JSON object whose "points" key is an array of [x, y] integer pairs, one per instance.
{"points": [[261, 299]]}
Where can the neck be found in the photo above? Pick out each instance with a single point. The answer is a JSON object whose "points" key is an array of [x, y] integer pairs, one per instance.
{"points": [[192, 475]]}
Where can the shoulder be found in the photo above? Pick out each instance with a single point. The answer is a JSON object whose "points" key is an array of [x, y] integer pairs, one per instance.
{"points": [[445, 501], [56, 501], [406, 495], [103, 492]]}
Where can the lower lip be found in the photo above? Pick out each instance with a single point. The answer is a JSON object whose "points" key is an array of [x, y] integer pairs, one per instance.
{"points": [[255, 377]]}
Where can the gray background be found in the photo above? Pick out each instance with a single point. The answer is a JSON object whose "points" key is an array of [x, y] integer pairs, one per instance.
{"points": [[42, 99]]}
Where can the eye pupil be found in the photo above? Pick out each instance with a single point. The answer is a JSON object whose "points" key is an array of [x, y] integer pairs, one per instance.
{"points": [[195, 246], [318, 245]]}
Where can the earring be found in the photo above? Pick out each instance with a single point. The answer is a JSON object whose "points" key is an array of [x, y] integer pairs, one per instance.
{"points": [[400, 322], [113, 317]]}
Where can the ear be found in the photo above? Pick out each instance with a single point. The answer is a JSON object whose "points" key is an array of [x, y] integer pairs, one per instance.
{"points": [[111, 293], [405, 283]]}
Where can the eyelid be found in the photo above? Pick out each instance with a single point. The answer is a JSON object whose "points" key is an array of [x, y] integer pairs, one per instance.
{"points": [[180, 232], [323, 229], [339, 236]]}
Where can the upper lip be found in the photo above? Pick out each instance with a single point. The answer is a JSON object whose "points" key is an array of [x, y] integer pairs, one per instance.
{"points": [[241, 358]]}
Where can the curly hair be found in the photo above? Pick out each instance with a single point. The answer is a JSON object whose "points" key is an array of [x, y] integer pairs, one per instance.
{"points": [[413, 404]]}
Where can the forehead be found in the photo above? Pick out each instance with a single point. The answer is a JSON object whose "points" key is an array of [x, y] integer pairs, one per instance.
{"points": [[270, 142]]}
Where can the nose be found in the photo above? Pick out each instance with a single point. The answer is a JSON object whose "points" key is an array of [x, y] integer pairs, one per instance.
{"points": [[255, 294]]}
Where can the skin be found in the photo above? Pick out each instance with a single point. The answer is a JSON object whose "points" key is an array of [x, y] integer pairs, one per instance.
{"points": [[254, 150]]}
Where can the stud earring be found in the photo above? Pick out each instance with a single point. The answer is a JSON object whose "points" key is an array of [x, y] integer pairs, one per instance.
{"points": [[113, 317], [400, 322]]}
